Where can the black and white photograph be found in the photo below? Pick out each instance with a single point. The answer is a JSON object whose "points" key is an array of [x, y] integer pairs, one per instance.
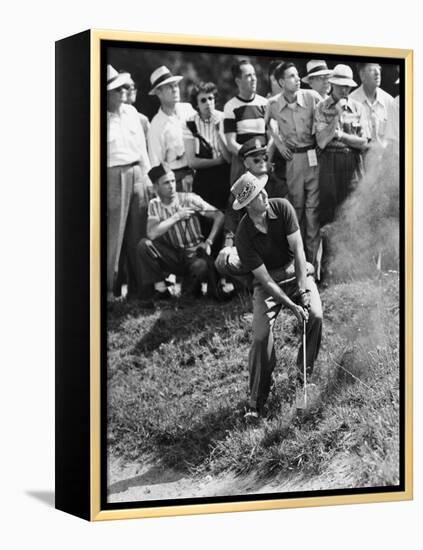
{"points": [[253, 274]]}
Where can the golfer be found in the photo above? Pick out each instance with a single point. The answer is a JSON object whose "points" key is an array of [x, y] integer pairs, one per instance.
{"points": [[269, 245]]}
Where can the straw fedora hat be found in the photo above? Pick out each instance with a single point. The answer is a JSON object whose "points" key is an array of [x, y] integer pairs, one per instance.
{"points": [[115, 79], [160, 77], [246, 188], [316, 67]]}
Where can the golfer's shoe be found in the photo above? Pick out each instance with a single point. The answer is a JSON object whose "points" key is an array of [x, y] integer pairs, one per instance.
{"points": [[251, 415]]}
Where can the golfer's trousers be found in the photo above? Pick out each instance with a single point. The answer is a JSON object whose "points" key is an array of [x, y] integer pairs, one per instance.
{"points": [[262, 357]]}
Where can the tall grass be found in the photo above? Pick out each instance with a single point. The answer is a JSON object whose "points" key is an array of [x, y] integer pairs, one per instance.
{"points": [[177, 388]]}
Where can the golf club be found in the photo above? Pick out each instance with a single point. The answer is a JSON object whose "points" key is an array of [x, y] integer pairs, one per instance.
{"points": [[305, 363]]}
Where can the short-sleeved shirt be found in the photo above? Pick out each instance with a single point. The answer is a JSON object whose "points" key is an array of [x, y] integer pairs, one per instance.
{"points": [[272, 248], [126, 139], [352, 121], [377, 113], [185, 233], [165, 137], [295, 120], [245, 118]]}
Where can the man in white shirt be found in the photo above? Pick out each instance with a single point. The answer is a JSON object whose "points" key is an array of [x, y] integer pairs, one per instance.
{"points": [[131, 100], [376, 102], [127, 184], [165, 137]]}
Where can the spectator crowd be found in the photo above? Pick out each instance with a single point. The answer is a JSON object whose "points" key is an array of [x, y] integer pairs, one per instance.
{"points": [[175, 183]]}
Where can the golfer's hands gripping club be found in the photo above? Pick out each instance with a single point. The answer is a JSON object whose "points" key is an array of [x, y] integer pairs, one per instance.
{"points": [[300, 313]]}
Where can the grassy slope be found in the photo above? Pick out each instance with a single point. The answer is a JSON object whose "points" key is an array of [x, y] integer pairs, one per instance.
{"points": [[177, 382]]}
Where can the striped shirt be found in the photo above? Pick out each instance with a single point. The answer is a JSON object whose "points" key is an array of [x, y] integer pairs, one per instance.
{"points": [[245, 118], [185, 233], [208, 129]]}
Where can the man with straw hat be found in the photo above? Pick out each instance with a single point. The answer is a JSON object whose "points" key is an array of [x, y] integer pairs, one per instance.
{"points": [[342, 135], [127, 183], [317, 77], [269, 244], [165, 138]]}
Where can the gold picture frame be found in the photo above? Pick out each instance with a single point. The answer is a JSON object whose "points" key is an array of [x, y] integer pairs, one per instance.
{"points": [[80, 426]]}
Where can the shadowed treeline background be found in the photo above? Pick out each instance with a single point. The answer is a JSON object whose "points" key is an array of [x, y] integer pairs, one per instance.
{"points": [[198, 65]]}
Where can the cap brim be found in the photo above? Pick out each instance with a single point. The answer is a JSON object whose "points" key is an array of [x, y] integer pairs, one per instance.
{"points": [[343, 82], [121, 79], [263, 180], [167, 81], [253, 151], [323, 72]]}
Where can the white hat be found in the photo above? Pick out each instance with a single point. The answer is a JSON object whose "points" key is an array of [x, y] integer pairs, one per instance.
{"points": [[160, 77], [246, 188], [342, 75], [115, 79], [316, 67]]}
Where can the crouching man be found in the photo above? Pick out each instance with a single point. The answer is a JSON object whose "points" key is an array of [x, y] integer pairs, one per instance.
{"points": [[174, 242], [269, 244]]}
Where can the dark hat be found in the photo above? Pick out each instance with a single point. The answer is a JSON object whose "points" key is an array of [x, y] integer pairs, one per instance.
{"points": [[253, 145], [157, 172]]}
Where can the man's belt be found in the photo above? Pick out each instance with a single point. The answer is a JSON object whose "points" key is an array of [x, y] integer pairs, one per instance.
{"points": [[131, 165], [344, 150], [294, 149]]}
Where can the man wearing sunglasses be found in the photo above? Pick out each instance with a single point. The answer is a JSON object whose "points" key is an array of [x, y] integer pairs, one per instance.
{"points": [[253, 155], [293, 110], [127, 185]]}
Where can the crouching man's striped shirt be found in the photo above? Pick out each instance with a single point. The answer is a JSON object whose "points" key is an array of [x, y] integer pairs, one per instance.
{"points": [[185, 233]]}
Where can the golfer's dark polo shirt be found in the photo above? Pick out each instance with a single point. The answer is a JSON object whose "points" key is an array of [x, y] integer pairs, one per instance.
{"points": [[271, 249]]}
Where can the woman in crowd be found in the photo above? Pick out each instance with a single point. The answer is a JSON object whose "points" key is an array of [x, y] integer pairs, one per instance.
{"points": [[205, 147]]}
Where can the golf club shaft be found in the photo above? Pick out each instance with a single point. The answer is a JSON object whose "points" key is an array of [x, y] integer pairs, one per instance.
{"points": [[305, 362]]}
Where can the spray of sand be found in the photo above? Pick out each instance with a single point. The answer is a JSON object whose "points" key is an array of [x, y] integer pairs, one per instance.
{"points": [[364, 238]]}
